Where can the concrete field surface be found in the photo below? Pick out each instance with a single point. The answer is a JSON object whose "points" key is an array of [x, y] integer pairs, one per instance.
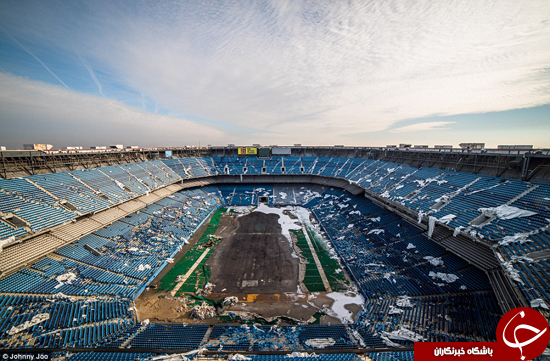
{"points": [[254, 257]]}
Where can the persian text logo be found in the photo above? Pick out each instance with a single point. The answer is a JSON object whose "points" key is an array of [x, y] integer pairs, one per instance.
{"points": [[526, 330]]}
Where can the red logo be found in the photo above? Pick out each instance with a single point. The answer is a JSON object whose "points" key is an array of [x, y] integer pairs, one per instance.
{"points": [[524, 332]]}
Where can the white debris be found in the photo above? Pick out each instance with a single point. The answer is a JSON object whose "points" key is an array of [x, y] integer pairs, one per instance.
{"points": [[239, 357], [521, 258], [67, 278], [420, 216], [447, 219], [403, 334], [341, 300], [230, 301], [61, 296], [538, 302], [358, 337], [484, 189], [431, 226], [376, 231], [476, 235], [122, 185], [434, 261], [518, 237], [145, 322], [41, 317], [394, 310], [411, 246], [463, 288], [506, 212], [320, 342], [512, 272], [377, 219], [7, 242], [443, 199], [447, 277], [287, 223], [388, 342], [457, 231], [301, 354], [202, 312], [143, 268], [404, 301]]}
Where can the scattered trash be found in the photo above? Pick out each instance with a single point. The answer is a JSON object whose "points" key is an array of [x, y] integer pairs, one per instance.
{"points": [[202, 312], [320, 342]]}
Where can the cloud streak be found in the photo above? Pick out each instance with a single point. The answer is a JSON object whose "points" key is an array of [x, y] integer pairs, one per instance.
{"points": [[422, 127], [37, 59], [92, 74]]}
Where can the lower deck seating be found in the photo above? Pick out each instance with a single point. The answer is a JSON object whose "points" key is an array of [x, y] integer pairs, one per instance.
{"points": [[406, 279]]}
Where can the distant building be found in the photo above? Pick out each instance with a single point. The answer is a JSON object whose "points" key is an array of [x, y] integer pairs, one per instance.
{"points": [[73, 147], [391, 146], [403, 145], [420, 146], [98, 147], [37, 146], [117, 146], [2, 147], [472, 146], [515, 147], [443, 146]]}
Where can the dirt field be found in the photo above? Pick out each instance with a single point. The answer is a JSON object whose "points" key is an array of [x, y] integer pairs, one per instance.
{"points": [[254, 258]]}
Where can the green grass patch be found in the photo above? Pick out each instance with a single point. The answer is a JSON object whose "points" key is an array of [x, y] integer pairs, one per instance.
{"points": [[198, 279], [199, 276], [312, 278], [333, 271]]}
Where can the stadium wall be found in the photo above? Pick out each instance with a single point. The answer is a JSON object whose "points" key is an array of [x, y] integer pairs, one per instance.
{"points": [[527, 165]]}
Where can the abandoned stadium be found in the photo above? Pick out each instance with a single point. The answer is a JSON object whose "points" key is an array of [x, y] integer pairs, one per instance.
{"points": [[345, 252]]}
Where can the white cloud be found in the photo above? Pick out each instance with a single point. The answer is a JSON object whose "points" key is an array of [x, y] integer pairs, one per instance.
{"points": [[36, 112], [421, 127], [354, 68]]}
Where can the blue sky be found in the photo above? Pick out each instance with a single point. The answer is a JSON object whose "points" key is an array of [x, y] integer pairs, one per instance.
{"points": [[366, 73]]}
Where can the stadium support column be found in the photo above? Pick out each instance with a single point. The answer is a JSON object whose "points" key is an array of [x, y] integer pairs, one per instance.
{"points": [[4, 169], [525, 166]]}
